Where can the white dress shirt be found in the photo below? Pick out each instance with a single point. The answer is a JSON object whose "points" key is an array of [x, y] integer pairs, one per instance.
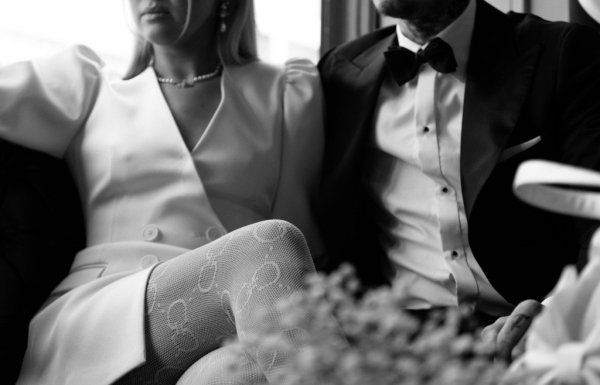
{"points": [[416, 178]]}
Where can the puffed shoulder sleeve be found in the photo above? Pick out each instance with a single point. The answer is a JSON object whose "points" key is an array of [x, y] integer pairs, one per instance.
{"points": [[45, 101], [302, 150]]}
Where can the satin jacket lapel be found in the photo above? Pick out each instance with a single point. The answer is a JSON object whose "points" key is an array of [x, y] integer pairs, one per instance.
{"points": [[498, 80], [365, 74]]}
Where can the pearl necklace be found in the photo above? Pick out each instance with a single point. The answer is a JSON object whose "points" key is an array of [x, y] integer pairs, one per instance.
{"points": [[193, 81]]}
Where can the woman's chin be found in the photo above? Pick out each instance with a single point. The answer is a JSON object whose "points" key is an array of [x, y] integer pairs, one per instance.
{"points": [[159, 35]]}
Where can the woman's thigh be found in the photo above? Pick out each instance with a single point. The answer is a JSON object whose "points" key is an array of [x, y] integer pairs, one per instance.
{"points": [[198, 300]]}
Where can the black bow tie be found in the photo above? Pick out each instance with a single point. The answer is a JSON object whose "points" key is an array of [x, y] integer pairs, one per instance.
{"points": [[404, 64]]}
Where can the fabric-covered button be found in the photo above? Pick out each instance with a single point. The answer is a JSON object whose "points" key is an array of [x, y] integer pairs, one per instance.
{"points": [[214, 233], [150, 233], [148, 260]]}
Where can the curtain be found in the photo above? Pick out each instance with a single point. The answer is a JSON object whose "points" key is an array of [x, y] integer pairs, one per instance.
{"points": [[344, 20]]}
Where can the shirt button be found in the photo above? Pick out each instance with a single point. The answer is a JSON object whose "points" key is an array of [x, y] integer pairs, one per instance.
{"points": [[148, 260], [454, 254], [445, 190], [150, 233], [213, 233], [426, 129]]}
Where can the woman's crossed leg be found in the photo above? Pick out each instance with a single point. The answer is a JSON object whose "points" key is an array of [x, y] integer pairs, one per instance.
{"points": [[201, 298]]}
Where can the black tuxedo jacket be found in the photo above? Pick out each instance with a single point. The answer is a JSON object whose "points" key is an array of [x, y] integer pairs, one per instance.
{"points": [[526, 77]]}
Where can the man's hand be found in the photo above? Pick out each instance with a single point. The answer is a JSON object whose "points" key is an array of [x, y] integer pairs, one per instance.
{"points": [[508, 331]]}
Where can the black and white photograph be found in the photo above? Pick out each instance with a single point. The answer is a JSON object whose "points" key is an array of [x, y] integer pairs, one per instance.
{"points": [[300, 192]]}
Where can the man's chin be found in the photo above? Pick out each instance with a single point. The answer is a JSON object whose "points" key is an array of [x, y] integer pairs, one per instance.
{"points": [[397, 9]]}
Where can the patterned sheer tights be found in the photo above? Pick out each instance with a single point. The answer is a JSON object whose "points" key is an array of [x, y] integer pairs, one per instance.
{"points": [[197, 300]]}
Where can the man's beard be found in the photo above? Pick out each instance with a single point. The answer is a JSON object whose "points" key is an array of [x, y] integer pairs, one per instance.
{"points": [[414, 9], [398, 9]]}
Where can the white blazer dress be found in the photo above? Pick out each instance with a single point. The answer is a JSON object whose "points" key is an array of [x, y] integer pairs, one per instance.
{"points": [[146, 197]]}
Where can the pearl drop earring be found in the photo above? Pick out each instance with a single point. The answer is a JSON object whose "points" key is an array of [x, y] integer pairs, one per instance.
{"points": [[223, 13]]}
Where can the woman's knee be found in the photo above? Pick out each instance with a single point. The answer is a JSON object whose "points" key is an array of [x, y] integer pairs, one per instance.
{"points": [[263, 251], [283, 240]]}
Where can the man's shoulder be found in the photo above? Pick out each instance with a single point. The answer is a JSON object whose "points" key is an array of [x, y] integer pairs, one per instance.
{"points": [[355, 48], [532, 29]]}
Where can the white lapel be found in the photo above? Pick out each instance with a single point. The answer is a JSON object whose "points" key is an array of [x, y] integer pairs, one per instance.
{"points": [[160, 128]]}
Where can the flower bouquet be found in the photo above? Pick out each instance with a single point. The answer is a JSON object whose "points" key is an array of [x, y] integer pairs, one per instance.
{"points": [[330, 335]]}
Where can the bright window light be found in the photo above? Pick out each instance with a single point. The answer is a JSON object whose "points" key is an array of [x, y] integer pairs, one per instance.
{"points": [[288, 28], [30, 28]]}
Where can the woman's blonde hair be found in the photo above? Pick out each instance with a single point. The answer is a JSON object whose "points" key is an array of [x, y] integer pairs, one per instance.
{"points": [[237, 45]]}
